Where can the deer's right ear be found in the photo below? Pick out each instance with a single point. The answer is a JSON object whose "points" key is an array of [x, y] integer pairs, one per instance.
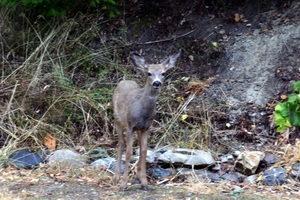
{"points": [[170, 62], [138, 61]]}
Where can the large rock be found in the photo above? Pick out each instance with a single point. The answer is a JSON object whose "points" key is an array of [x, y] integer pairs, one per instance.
{"points": [[151, 156], [187, 157], [247, 162], [25, 159], [66, 158], [274, 176]]}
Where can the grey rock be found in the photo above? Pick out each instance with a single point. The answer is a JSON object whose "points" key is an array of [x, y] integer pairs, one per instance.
{"points": [[25, 159], [98, 153], [274, 176], [201, 175], [251, 179], [271, 159], [231, 176], [108, 163], [66, 158], [187, 157], [296, 171], [159, 173], [151, 155], [236, 153]]}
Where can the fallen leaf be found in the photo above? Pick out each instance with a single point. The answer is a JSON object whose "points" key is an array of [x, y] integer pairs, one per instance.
{"points": [[50, 142], [236, 17], [180, 99], [215, 44], [191, 57], [184, 117], [283, 97]]}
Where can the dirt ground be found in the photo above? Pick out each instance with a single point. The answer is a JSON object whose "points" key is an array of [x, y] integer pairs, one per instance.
{"points": [[87, 183], [67, 190]]}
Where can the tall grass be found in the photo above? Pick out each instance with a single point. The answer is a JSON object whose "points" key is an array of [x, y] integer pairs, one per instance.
{"points": [[45, 86]]}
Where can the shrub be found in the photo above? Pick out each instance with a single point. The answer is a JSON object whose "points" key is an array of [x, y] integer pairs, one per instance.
{"points": [[52, 8], [287, 113]]}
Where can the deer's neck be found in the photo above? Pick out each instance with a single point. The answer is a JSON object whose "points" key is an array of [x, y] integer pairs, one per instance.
{"points": [[150, 95]]}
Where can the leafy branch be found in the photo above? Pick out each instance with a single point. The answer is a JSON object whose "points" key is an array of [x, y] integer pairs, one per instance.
{"points": [[287, 113]]}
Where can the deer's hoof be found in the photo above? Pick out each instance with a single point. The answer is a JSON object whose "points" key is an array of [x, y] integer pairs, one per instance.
{"points": [[115, 180], [136, 181], [144, 187]]}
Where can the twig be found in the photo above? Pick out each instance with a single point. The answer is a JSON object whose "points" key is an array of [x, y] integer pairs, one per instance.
{"points": [[168, 39]]}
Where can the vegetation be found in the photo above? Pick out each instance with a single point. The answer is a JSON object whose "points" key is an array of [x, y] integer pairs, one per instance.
{"points": [[44, 84], [287, 114], [58, 77], [52, 8]]}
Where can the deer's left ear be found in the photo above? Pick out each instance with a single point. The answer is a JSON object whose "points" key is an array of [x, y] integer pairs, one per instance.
{"points": [[170, 62]]}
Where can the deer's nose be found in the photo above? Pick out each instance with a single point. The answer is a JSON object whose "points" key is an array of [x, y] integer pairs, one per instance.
{"points": [[156, 83]]}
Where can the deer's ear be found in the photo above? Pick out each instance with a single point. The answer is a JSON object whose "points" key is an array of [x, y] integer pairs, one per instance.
{"points": [[138, 61], [170, 62]]}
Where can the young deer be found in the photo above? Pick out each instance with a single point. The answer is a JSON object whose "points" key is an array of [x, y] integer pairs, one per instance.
{"points": [[134, 110]]}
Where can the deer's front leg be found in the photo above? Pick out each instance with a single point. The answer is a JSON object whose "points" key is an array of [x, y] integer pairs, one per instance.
{"points": [[143, 141], [129, 141]]}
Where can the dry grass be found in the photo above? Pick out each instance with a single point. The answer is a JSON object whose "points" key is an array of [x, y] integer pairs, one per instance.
{"points": [[58, 78], [41, 88]]}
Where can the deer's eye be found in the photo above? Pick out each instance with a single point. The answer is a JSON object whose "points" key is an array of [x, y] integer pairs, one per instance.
{"points": [[163, 74], [149, 74]]}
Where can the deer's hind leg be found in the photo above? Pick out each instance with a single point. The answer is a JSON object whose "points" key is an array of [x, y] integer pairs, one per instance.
{"points": [[129, 142], [141, 171]]}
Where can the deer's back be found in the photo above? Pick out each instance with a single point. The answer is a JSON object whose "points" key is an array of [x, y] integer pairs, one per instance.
{"points": [[122, 99]]}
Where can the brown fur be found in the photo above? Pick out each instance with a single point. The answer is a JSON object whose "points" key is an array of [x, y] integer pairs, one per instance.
{"points": [[134, 110]]}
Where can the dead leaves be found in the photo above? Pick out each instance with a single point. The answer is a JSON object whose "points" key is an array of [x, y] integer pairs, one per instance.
{"points": [[240, 18], [197, 87], [50, 142]]}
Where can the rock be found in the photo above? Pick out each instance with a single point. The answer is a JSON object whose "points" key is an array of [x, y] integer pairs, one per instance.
{"points": [[247, 162], [227, 159], [202, 175], [151, 155], [98, 153], [66, 158], [231, 176], [216, 167], [187, 157], [262, 61], [274, 176], [236, 153], [108, 163], [296, 171], [159, 173], [271, 159], [251, 179], [25, 159], [296, 166]]}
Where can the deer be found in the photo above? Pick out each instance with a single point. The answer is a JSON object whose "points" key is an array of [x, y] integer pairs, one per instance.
{"points": [[134, 110]]}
